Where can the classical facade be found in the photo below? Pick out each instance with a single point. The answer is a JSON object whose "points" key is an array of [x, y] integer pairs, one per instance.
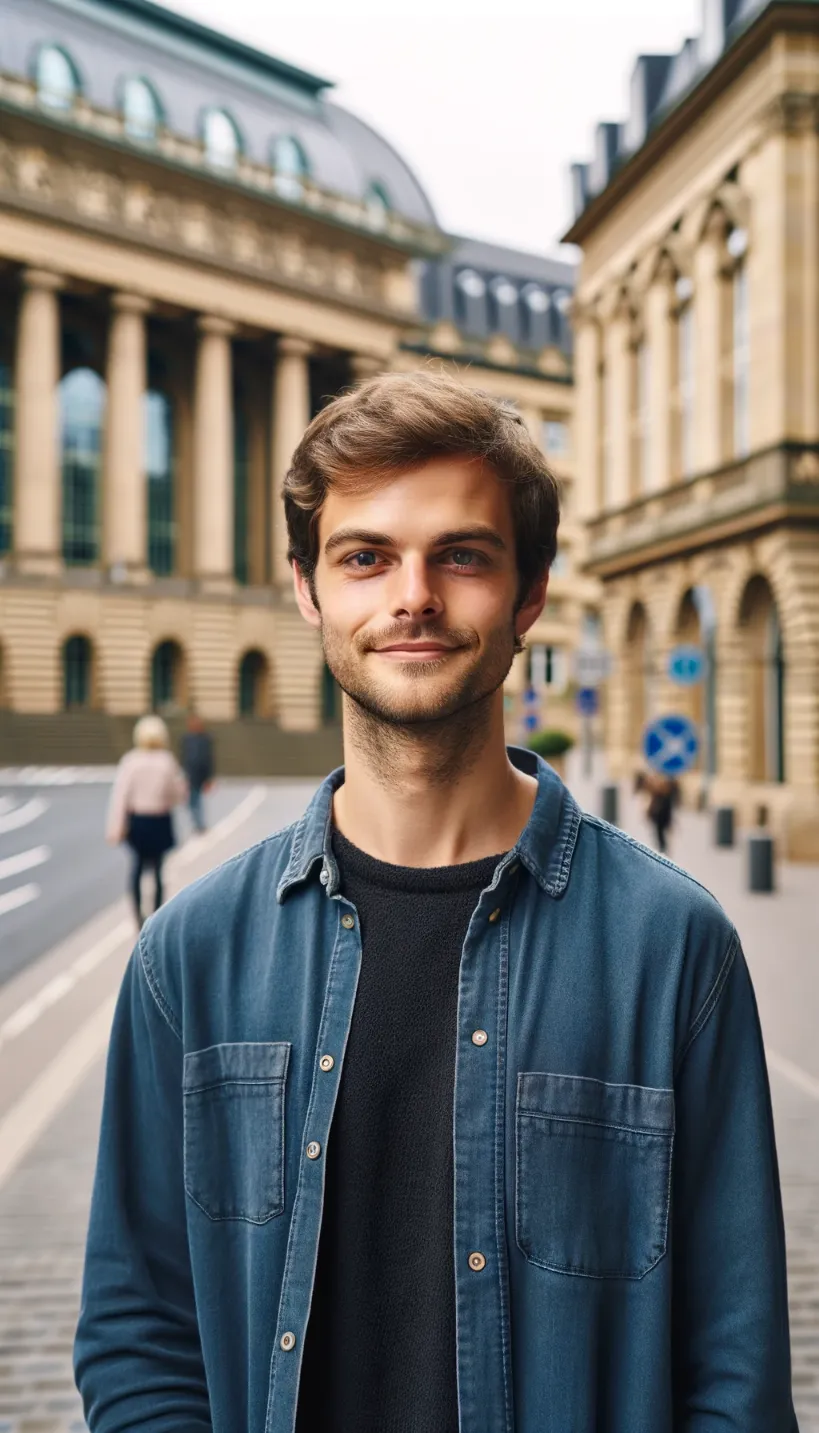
{"points": [[197, 249], [697, 365]]}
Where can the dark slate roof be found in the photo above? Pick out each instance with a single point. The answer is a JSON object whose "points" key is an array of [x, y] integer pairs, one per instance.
{"points": [[658, 84], [193, 68], [486, 289]]}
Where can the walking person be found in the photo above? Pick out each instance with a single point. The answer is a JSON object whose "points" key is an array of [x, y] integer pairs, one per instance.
{"points": [[663, 794], [197, 764], [147, 786], [445, 1109]]}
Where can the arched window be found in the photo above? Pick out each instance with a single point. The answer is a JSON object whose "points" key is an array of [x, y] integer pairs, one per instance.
{"points": [[82, 406], [470, 299], [765, 677], [159, 472], [167, 676], [290, 167], [56, 78], [6, 455], [253, 683], [241, 492], [222, 145], [141, 112], [377, 202], [639, 674], [77, 662]]}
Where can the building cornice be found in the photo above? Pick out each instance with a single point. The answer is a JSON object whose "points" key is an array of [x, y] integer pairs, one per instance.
{"points": [[790, 17]]}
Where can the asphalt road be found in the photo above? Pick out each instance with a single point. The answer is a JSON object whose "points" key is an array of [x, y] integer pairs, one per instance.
{"points": [[56, 869]]}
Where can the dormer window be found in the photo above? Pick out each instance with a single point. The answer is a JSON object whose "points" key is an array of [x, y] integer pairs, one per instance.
{"points": [[221, 138], [56, 78], [535, 298], [504, 292], [290, 167], [140, 109], [471, 283], [377, 205]]}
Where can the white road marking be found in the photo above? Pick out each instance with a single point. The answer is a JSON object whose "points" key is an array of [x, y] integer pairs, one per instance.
{"points": [[797, 1076], [55, 775], [24, 861], [30, 1011], [20, 896], [26, 1121], [22, 815]]}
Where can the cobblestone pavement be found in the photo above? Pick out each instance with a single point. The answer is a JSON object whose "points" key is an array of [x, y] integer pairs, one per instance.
{"points": [[44, 1204]]}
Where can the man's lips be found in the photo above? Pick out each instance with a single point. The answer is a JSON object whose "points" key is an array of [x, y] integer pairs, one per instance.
{"points": [[417, 648]]}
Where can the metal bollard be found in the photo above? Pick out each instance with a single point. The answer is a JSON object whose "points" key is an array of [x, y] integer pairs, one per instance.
{"points": [[760, 863], [724, 826], [611, 795]]}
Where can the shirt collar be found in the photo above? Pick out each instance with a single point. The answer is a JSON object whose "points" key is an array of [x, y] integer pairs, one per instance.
{"points": [[545, 846]]}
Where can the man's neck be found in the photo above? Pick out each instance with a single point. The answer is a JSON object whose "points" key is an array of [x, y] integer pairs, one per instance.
{"points": [[431, 796]]}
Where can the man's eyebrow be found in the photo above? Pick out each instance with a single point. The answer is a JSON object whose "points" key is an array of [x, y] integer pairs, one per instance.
{"points": [[477, 532]]}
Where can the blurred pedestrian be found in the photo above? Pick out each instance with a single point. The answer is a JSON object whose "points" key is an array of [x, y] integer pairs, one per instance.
{"points": [[663, 794], [147, 786], [197, 764]]}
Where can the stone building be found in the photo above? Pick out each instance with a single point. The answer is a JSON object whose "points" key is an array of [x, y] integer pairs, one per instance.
{"points": [[697, 366], [197, 249]]}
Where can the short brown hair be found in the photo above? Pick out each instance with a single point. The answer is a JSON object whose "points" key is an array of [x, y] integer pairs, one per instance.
{"points": [[399, 421]]}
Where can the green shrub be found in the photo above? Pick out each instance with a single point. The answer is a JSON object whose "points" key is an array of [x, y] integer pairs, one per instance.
{"points": [[551, 742]]}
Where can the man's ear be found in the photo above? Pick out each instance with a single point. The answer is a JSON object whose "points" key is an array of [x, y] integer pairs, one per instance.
{"points": [[304, 598], [531, 608]]}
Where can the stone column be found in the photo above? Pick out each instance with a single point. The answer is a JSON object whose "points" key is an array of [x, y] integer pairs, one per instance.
{"points": [[660, 335], [213, 456], [125, 504], [291, 415], [588, 356], [37, 538], [710, 447], [617, 409]]}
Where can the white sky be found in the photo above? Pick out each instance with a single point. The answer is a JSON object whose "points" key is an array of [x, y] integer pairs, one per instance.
{"points": [[489, 103]]}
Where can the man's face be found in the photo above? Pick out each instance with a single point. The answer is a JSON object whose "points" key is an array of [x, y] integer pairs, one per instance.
{"points": [[417, 585]]}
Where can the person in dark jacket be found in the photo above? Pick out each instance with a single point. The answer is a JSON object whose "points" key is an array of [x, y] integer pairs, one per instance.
{"points": [[197, 764]]}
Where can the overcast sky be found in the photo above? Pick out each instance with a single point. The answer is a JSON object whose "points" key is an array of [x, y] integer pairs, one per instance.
{"points": [[489, 103]]}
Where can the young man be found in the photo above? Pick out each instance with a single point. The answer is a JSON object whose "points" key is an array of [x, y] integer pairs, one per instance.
{"points": [[445, 1109]]}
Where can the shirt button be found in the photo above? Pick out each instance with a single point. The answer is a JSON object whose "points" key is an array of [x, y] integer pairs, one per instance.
{"points": [[348, 922], [313, 1150], [326, 1063], [288, 1341], [325, 876], [479, 1037], [477, 1262], [495, 914]]}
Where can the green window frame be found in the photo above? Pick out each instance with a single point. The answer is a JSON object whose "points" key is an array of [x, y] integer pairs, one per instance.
{"points": [[82, 409], [160, 477]]}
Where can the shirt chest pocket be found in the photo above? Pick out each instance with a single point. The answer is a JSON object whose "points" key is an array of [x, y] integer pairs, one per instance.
{"points": [[234, 1130], [593, 1175]]}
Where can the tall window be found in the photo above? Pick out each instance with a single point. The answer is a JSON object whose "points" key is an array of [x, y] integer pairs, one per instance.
{"points": [[77, 659], [82, 405], [378, 206], [221, 139], [56, 78], [6, 456], [159, 475], [605, 454], [685, 388], [166, 675], [742, 436], [642, 417], [290, 167], [241, 493], [555, 437], [253, 671], [140, 109]]}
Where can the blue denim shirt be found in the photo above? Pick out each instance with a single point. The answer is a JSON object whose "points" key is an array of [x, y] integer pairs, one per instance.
{"points": [[614, 1152]]}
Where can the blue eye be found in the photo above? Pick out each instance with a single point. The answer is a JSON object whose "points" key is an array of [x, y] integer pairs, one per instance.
{"points": [[473, 559]]}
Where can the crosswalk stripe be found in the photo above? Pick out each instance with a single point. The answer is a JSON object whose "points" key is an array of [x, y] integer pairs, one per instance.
{"points": [[20, 896], [24, 861]]}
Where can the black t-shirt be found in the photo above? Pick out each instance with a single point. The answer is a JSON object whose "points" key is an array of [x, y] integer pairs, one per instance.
{"points": [[380, 1353]]}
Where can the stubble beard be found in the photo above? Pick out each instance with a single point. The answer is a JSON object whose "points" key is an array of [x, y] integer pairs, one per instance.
{"points": [[451, 725]]}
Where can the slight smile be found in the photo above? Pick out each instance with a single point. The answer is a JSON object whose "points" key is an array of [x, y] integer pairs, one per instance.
{"points": [[415, 651]]}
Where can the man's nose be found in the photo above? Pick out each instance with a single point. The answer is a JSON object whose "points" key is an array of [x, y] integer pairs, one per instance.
{"points": [[413, 594]]}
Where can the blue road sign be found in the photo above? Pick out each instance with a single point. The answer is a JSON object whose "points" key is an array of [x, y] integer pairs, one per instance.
{"points": [[686, 666], [530, 696], [588, 701], [531, 721], [671, 744]]}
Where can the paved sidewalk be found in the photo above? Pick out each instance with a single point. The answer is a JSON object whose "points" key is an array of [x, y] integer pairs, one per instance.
{"points": [[43, 1205]]}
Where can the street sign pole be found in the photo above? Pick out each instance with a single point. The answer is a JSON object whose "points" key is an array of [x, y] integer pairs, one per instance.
{"points": [[587, 745]]}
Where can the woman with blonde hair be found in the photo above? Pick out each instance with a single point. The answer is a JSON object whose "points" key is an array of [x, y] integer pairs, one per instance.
{"points": [[147, 786]]}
